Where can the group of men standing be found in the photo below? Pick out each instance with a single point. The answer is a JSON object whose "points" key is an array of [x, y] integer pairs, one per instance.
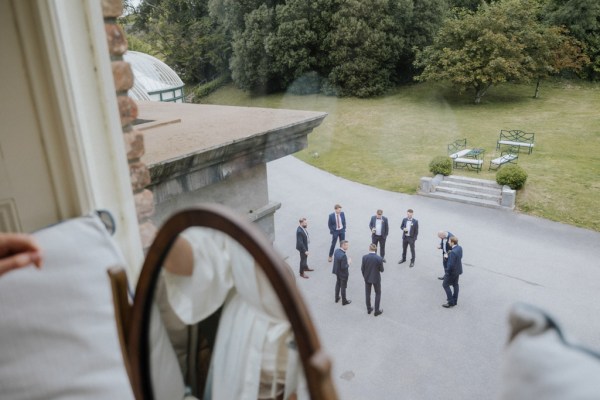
{"points": [[372, 263]]}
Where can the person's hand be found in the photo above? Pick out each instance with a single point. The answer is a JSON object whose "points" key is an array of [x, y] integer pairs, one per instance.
{"points": [[439, 247], [306, 252], [18, 250], [445, 255]]}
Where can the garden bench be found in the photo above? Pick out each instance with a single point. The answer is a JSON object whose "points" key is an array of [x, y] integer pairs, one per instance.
{"points": [[516, 138], [507, 156], [463, 157]]}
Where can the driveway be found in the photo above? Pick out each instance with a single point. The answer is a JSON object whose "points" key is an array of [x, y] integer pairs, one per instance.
{"points": [[417, 349]]}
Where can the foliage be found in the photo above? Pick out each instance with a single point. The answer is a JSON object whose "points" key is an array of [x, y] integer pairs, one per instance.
{"points": [[362, 48], [511, 175], [582, 19], [441, 165], [184, 36], [205, 89], [502, 42]]}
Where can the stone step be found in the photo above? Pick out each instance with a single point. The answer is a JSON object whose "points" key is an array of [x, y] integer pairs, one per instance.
{"points": [[463, 199], [476, 194], [471, 181], [467, 186]]}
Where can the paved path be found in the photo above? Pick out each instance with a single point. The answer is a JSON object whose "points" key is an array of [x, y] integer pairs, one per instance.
{"points": [[417, 349]]}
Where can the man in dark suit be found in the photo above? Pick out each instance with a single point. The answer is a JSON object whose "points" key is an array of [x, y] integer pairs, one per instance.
{"points": [[302, 246], [371, 268], [453, 271], [410, 231], [337, 227], [445, 247], [379, 231], [341, 264]]}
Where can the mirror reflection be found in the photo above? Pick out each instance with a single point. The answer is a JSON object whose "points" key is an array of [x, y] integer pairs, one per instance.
{"points": [[218, 330]]}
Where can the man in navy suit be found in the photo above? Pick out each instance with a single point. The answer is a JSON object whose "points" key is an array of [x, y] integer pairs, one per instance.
{"points": [[445, 247], [379, 231], [341, 264], [337, 227], [302, 246], [453, 271], [371, 268], [410, 231]]}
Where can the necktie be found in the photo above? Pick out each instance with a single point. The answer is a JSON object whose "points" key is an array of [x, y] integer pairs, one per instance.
{"points": [[337, 218]]}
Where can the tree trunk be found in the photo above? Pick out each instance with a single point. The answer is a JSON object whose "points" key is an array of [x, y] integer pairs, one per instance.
{"points": [[537, 88], [480, 91]]}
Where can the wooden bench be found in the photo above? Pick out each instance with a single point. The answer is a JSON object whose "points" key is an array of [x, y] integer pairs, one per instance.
{"points": [[516, 138], [462, 157], [509, 156]]}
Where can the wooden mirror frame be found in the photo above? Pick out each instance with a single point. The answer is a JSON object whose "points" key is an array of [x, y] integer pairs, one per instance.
{"points": [[134, 321]]}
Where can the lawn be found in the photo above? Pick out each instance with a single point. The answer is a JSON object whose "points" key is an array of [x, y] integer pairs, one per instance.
{"points": [[388, 141]]}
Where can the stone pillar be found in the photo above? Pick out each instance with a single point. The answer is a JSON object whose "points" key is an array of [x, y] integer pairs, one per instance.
{"points": [[128, 111]]}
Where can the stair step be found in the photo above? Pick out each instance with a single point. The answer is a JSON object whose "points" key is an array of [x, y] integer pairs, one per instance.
{"points": [[471, 181], [462, 199], [470, 193], [466, 186]]}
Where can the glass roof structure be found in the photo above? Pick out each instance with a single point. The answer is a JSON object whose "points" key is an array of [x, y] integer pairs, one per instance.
{"points": [[153, 79]]}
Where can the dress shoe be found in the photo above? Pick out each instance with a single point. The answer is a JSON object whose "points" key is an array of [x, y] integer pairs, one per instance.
{"points": [[441, 278], [384, 260], [304, 276], [379, 312], [337, 300], [369, 310], [344, 302], [401, 261], [412, 264], [329, 259], [309, 269], [447, 305]]}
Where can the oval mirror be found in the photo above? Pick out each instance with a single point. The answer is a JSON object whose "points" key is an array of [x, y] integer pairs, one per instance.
{"points": [[217, 315]]}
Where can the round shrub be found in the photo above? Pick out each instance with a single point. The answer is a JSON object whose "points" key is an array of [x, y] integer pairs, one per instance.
{"points": [[441, 165], [512, 175]]}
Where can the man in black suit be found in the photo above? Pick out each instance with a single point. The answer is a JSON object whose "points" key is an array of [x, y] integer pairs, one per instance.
{"points": [[371, 268], [445, 247], [410, 231], [337, 227], [341, 264], [302, 246], [379, 231], [453, 271]]}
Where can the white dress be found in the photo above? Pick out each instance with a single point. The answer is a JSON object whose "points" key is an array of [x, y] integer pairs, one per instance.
{"points": [[255, 343]]}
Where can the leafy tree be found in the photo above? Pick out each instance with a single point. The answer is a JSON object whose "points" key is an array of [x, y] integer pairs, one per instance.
{"points": [[582, 19], [185, 37], [251, 65], [499, 43], [362, 48]]}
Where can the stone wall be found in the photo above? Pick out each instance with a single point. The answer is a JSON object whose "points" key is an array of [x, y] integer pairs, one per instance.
{"points": [[128, 111]]}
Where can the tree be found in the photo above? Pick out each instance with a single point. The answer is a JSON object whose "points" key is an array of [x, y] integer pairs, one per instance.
{"points": [[185, 37], [582, 19], [362, 48], [501, 42]]}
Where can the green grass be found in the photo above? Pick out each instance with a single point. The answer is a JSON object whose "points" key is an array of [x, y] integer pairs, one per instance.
{"points": [[388, 142]]}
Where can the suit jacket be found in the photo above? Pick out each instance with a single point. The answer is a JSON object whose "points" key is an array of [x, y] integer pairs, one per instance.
{"points": [[332, 223], [414, 230], [446, 247], [384, 225], [371, 268], [340, 264], [454, 265], [301, 240]]}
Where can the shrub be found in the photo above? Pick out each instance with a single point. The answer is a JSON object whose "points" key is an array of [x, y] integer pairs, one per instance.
{"points": [[512, 175], [441, 165], [205, 89]]}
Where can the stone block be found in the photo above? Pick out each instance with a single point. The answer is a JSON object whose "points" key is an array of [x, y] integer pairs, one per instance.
{"points": [[128, 110], [117, 42], [508, 197], [112, 8], [147, 233], [122, 75], [144, 204], [140, 176], [134, 144]]}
